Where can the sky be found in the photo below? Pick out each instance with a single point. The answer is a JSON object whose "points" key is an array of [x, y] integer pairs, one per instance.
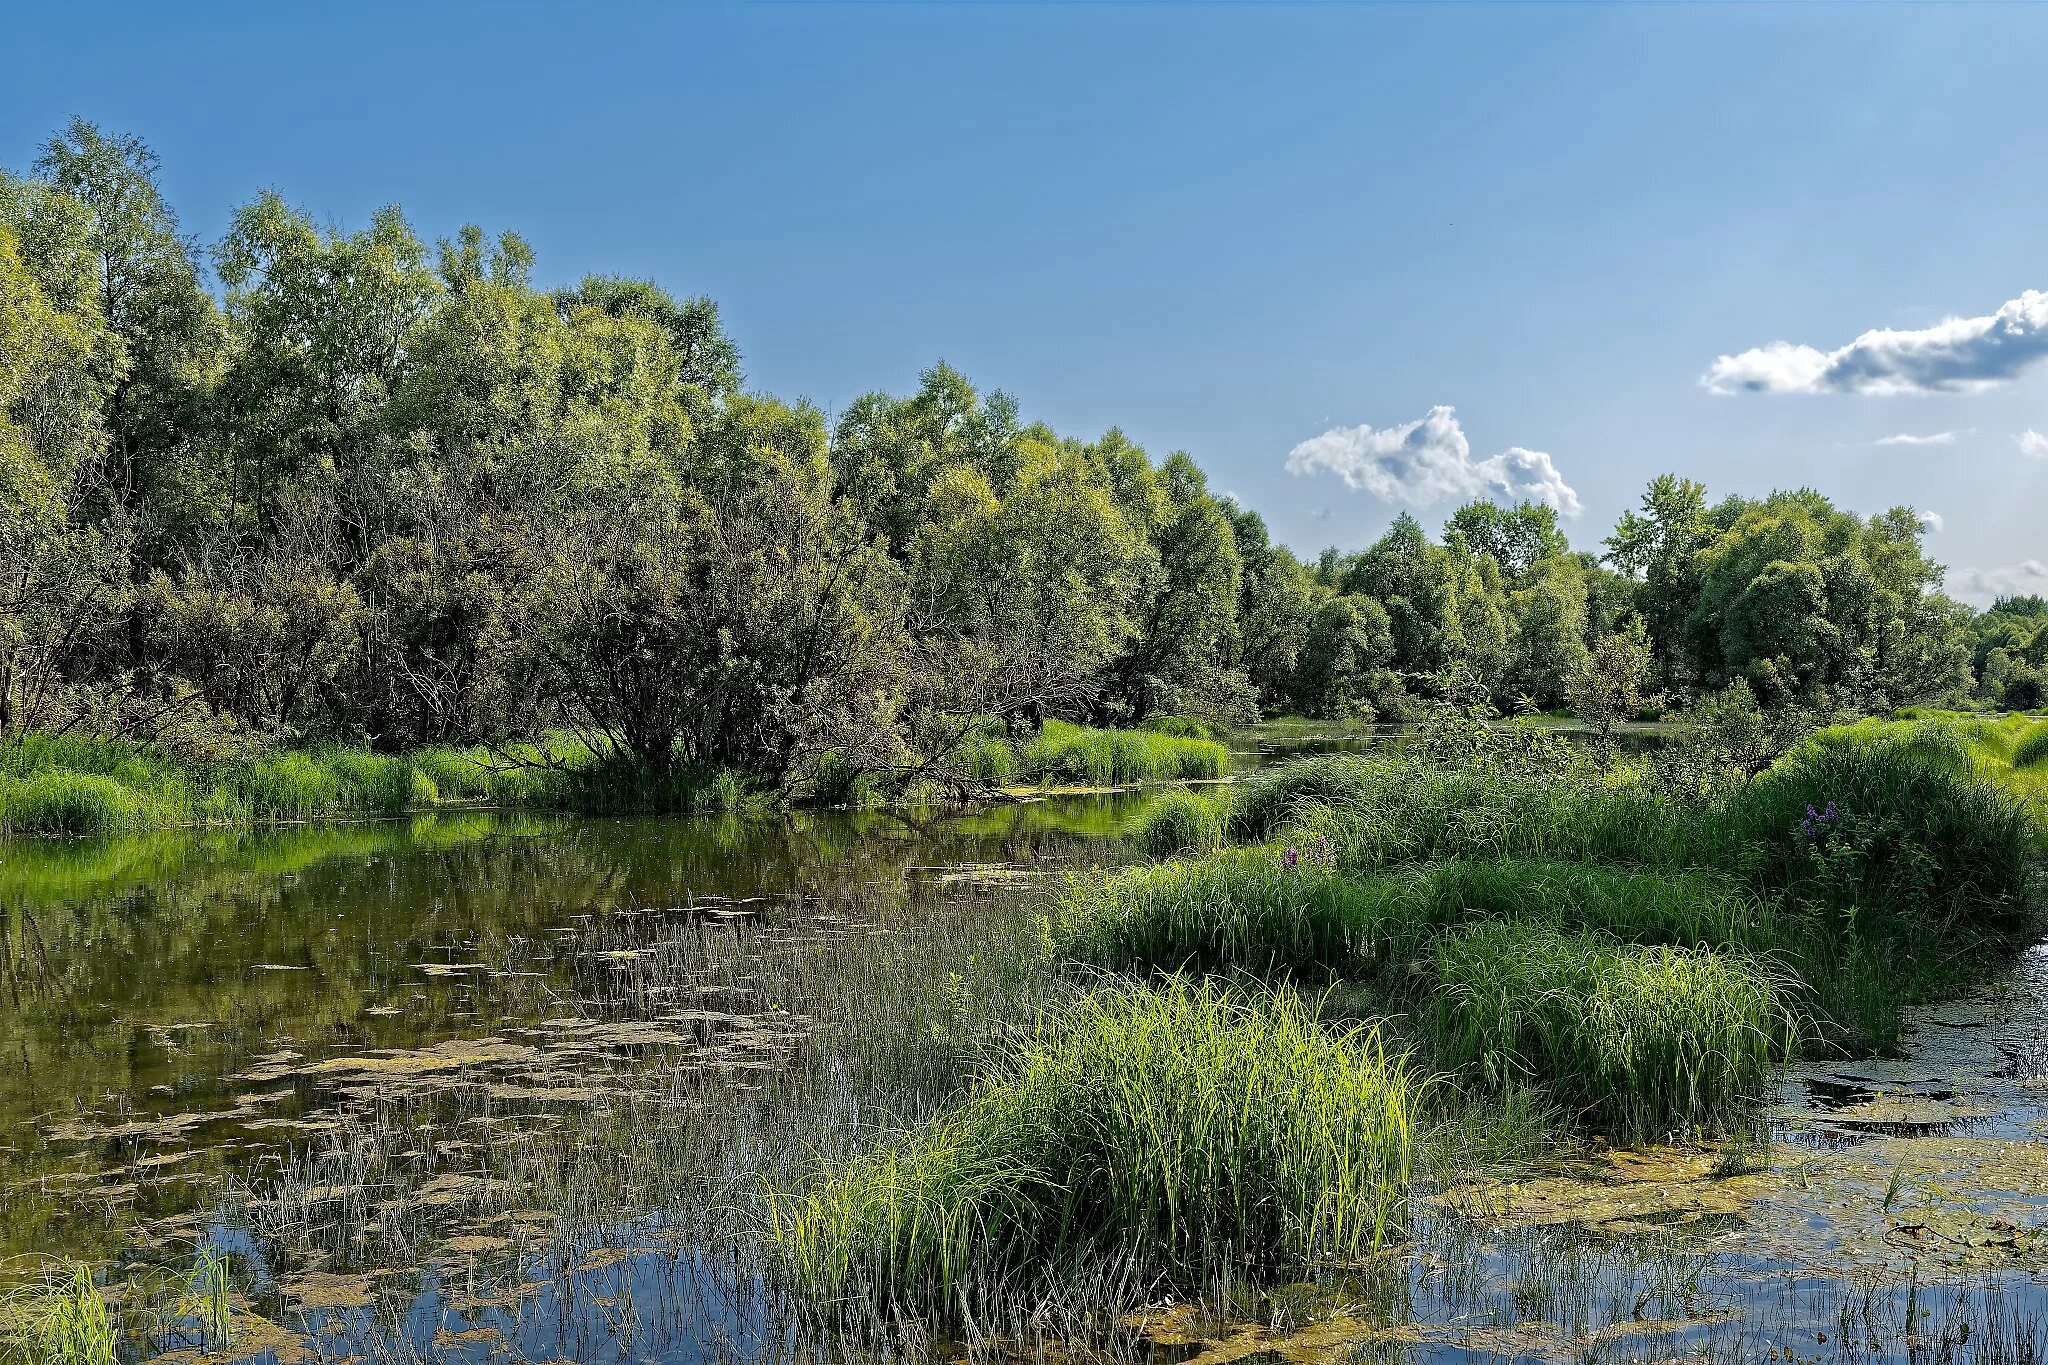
{"points": [[1355, 259]]}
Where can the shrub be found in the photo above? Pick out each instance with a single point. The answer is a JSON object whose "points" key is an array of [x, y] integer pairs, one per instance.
{"points": [[1639, 1040], [1179, 726], [1179, 822], [1185, 1126], [1914, 832]]}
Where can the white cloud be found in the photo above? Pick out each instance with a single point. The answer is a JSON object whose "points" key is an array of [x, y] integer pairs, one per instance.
{"points": [[1930, 521], [1907, 438], [1959, 355], [1981, 587], [1429, 460], [2033, 443]]}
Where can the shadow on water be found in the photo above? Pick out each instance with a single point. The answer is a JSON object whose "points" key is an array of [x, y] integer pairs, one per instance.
{"points": [[493, 1087]]}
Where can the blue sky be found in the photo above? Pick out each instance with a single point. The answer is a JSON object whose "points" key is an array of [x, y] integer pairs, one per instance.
{"points": [[1283, 238]]}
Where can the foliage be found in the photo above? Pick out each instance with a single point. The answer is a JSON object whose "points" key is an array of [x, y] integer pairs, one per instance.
{"points": [[388, 493]]}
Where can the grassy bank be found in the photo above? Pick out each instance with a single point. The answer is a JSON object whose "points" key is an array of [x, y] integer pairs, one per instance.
{"points": [[1076, 754], [66, 785], [81, 786]]}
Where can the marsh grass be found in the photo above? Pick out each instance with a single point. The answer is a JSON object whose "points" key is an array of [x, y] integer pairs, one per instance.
{"points": [[1073, 753], [1645, 1041], [53, 785], [63, 1320], [1179, 822], [1180, 1127]]}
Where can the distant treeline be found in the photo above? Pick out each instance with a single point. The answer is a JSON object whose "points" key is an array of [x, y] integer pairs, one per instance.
{"points": [[346, 485]]}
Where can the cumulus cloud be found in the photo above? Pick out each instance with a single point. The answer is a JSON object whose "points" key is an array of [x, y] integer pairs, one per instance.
{"points": [[1930, 521], [1981, 587], [2033, 443], [1907, 438], [1429, 460], [1959, 355]]}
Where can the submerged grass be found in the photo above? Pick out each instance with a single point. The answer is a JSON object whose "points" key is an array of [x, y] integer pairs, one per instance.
{"points": [[1075, 753], [1644, 1040], [1182, 1126]]}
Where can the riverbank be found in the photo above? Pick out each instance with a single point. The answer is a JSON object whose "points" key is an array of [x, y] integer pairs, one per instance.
{"points": [[64, 785]]}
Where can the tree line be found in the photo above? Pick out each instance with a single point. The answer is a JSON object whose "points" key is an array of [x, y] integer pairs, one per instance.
{"points": [[314, 482]]}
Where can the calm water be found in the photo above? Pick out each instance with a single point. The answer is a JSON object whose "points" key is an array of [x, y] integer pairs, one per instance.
{"points": [[490, 1087]]}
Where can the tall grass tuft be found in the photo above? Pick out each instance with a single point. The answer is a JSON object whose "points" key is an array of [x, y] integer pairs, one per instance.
{"points": [[1642, 1041], [62, 1321], [1179, 822], [1182, 1125], [1244, 909], [1074, 753], [56, 802], [2031, 750]]}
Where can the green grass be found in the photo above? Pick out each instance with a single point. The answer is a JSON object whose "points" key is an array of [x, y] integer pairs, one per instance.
{"points": [[63, 786], [2031, 750], [1179, 822], [1241, 910], [1186, 1127], [1105, 758], [61, 1321], [1920, 833], [1643, 1041]]}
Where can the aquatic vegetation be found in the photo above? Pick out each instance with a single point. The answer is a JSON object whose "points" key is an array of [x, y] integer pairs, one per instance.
{"points": [[64, 1320], [1180, 822], [1074, 753], [1181, 1126], [1242, 909], [57, 802], [1643, 1040], [1683, 907]]}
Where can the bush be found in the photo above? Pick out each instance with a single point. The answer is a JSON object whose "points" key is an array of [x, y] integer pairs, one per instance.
{"points": [[1642, 1041], [1179, 822], [1179, 726], [1185, 1126]]}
